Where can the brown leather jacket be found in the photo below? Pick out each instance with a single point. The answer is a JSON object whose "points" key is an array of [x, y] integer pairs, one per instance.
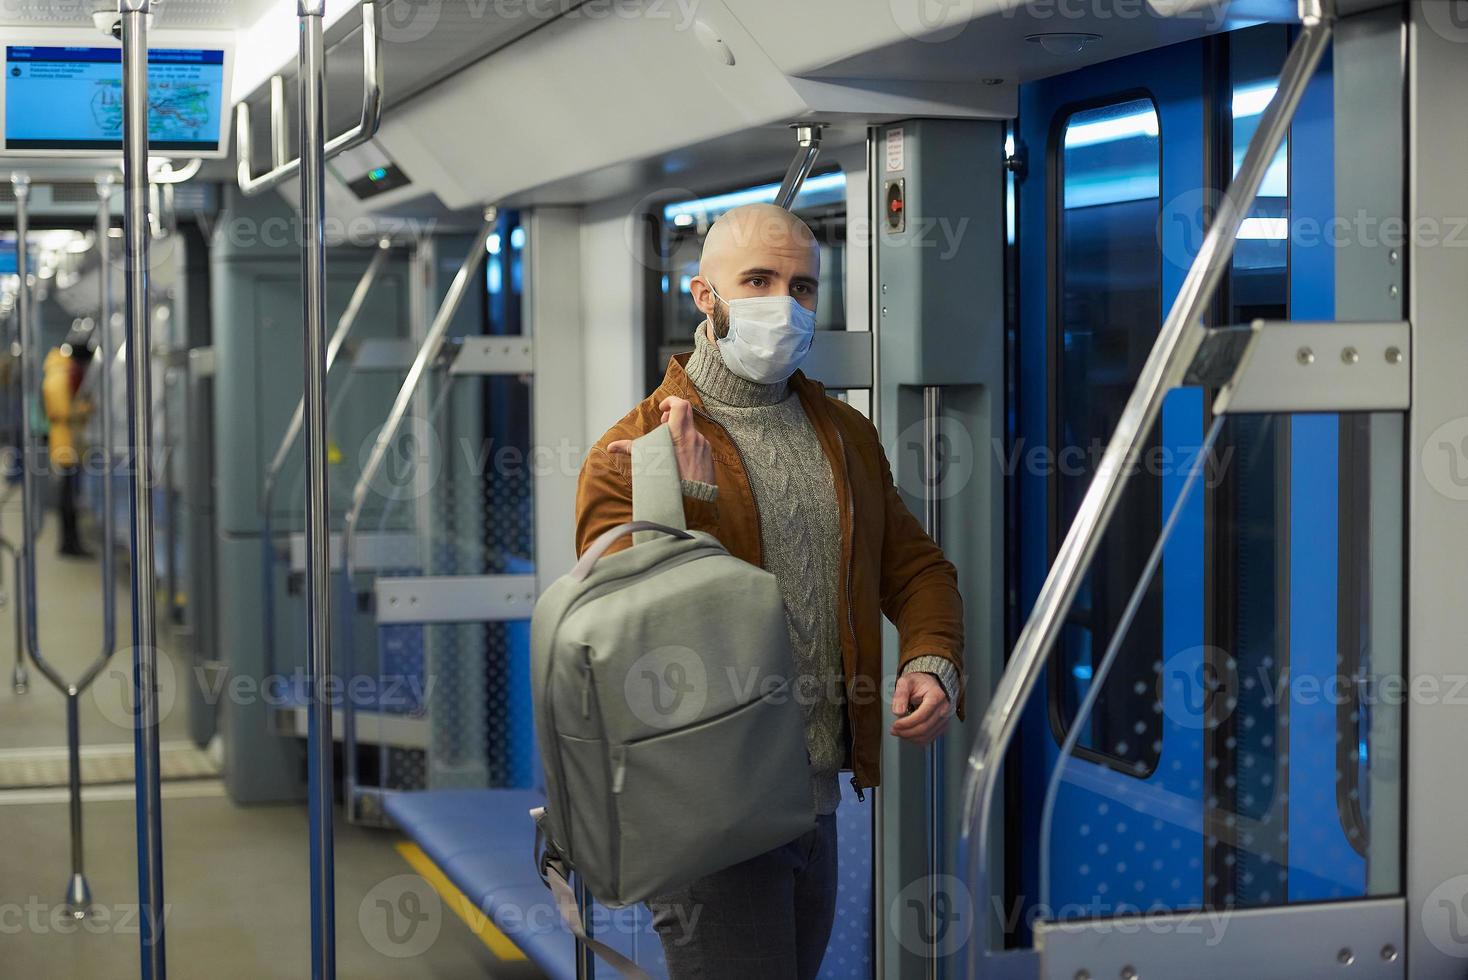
{"points": [[892, 566]]}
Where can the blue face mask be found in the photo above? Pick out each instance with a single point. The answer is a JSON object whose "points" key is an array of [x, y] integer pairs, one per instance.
{"points": [[768, 336]]}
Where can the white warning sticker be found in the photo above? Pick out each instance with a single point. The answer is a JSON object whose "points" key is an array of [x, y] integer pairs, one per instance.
{"points": [[896, 146]]}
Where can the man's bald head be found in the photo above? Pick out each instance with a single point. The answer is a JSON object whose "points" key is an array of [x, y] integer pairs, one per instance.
{"points": [[756, 250]]}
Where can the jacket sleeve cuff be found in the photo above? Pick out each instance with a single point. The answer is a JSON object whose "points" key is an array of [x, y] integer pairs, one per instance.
{"points": [[941, 668]]}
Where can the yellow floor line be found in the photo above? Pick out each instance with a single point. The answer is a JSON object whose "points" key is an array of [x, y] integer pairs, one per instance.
{"points": [[499, 944]]}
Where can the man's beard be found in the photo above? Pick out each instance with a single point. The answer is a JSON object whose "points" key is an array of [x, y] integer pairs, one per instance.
{"points": [[720, 319]]}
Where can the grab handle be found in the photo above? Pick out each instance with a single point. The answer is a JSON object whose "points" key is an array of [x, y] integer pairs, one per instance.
{"points": [[284, 169]]}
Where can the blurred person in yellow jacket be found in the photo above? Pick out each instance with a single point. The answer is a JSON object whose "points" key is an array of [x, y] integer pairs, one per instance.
{"points": [[62, 374]]}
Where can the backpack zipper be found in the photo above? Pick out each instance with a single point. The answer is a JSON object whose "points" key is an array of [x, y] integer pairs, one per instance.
{"points": [[619, 767], [586, 682]]}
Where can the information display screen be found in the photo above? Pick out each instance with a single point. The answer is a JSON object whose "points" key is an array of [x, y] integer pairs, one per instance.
{"points": [[70, 98]]}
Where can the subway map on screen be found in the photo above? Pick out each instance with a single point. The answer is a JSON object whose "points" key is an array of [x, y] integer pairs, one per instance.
{"points": [[63, 98]]}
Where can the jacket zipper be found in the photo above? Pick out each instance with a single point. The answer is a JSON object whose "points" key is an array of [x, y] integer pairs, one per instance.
{"points": [[850, 616], [850, 537]]}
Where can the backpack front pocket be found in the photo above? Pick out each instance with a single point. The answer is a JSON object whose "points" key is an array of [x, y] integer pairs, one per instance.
{"points": [[713, 794]]}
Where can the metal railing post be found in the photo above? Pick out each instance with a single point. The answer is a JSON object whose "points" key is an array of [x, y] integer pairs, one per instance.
{"points": [[1178, 340], [808, 136], [104, 415], [144, 601], [320, 769], [78, 892]]}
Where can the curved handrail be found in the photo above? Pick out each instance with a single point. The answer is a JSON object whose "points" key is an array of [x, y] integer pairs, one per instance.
{"points": [[78, 892], [433, 341], [428, 352], [104, 395], [167, 175], [1177, 341], [344, 327], [283, 169], [292, 433]]}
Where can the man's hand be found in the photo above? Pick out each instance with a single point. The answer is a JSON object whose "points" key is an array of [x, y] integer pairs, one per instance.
{"points": [[695, 462], [921, 707]]}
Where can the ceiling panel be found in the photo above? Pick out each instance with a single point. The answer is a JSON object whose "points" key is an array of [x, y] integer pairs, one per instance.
{"points": [[177, 14], [423, 43]]}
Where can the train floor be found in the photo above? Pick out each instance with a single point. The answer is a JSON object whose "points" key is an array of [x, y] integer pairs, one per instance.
{"points": [[235, 878]]}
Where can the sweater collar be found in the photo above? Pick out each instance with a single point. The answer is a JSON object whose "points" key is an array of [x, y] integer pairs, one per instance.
{"points": [[716, 383]]}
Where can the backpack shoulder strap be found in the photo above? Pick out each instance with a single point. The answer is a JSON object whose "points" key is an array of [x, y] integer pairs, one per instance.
{"points": [[657, 493], [555, 873]]}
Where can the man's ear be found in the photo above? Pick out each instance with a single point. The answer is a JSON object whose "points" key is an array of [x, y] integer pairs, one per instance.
{"points": [[703, 296]]}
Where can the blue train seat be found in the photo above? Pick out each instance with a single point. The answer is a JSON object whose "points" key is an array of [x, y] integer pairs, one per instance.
{"points": [[483, 840]]}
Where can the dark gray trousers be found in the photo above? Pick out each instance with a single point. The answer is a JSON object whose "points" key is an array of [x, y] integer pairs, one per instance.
{"points": [[767, 918]]}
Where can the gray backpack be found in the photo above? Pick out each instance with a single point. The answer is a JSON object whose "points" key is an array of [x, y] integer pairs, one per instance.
{"points": [[663, 682]]}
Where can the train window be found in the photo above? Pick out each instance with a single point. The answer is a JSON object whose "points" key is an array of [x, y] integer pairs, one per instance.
{"points": [[679, 230], [1105, 314], [1250, 505], [504, 276]]}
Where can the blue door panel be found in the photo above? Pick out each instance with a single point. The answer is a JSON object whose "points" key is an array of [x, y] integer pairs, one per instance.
{"points": [[1118, 841], [1095, 863]]}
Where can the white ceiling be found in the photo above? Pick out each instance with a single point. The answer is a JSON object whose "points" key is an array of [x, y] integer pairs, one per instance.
{"points": [[177, 14]]}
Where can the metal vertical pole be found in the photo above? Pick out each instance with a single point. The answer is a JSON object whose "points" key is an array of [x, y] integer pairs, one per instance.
{"points": [[874, 324], [105, 349], [137, 235], [933, 791], [311, 78], [280, 143], [24, 564]]}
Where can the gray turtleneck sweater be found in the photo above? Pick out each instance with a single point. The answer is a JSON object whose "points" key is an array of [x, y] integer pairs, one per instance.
{"points": [[800, 534]]}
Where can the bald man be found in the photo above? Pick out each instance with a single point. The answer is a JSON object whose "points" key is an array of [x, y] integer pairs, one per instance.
{"points": [[796, 482]]}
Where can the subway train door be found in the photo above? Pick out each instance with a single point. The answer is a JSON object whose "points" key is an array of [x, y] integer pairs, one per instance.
{"points": [[1188, 779]]}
